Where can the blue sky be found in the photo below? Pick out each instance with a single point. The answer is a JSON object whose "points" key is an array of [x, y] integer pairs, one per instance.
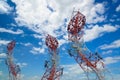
{"points": [[28, 21]]}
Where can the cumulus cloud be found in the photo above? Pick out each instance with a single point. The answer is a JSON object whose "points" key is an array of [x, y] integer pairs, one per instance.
{"points": [[107, 52], [37, 36], [115, 44], [26, 44], [75, 70], [4, 42], [4, 7], [22, 64], [62, 41], [35, 78], [118, 8], [10, 31], [36, 50], [38, 17], [41, 49], [97, 31], [2, 55], [111, 60]]}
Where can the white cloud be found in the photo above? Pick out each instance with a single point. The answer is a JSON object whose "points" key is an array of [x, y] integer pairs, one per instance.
{"points": [[39, 50], [4, 7], [118, 8], [72, 71], [10, 31], [4, 42], [115, 44], [12, 24], [22, 77], [27, 44], [62, 41], [2, 55], [22, 64], [36, 16], [35, 78], [37, 36], [97, 31], [111, 60], [75, 72], [107, 52]]}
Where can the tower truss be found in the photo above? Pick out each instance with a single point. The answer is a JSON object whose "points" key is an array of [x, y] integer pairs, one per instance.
{"points": [[13, 69], [53, 70], [87, 60]]}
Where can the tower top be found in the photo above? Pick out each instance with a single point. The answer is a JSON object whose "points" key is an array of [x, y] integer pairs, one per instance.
{"points": [[10, 46], [76, 23], [51, 42]]}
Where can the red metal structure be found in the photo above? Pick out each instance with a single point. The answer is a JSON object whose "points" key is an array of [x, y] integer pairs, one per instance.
{"points": [[14, 70], [53, 71], [86, 60]]}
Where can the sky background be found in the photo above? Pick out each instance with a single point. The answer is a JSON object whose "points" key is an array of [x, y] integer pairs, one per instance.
{"points": [[28, 21]]}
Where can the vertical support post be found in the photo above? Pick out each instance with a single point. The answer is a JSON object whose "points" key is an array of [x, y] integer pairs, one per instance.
{"points": [[77, 48], [53, 71], [13, 69]]}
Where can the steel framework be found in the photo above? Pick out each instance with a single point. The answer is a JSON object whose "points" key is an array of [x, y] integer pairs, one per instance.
{"points": [[53, 70], [14, 70], [87, 60]]}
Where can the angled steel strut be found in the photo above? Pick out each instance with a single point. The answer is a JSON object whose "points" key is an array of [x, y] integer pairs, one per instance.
{"points": [[14, 70], [77, 48], [53, 70]]}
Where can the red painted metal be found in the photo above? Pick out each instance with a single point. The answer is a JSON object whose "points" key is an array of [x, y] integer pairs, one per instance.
{"points": [[13, 68], [51, 42], [10, 46], [76, 23], [75, 33], [53, 71]]}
